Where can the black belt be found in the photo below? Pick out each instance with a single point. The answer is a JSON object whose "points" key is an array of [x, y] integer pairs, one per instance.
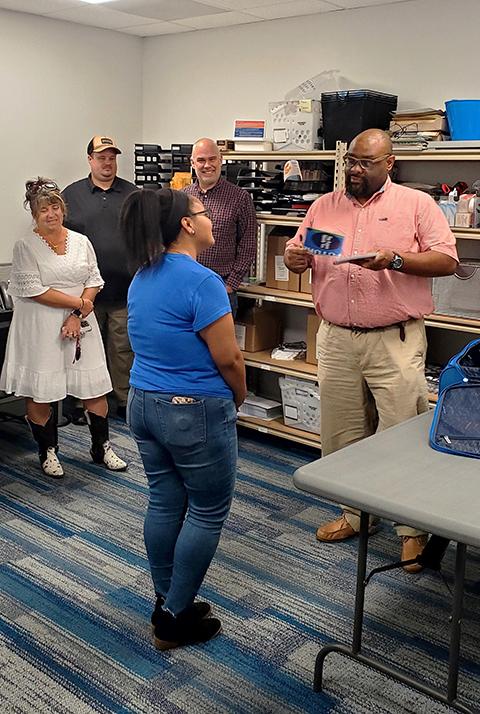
{"points": [[355, 328]]}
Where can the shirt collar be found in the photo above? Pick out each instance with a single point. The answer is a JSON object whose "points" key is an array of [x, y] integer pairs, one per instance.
{"points": [[93, 187], [220, 181]]}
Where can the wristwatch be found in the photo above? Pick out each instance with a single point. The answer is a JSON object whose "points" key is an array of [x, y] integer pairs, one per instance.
{"points": [[77, 312], [396, 263]]}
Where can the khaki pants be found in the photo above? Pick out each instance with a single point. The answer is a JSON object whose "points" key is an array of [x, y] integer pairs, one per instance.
{"points": [[112, 320], [369, 382]]}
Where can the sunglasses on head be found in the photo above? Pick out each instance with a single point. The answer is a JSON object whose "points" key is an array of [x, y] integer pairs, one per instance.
{"points": [[44, 187]]}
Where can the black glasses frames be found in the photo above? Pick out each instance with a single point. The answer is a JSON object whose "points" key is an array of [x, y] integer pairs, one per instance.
{"points": [[206, 212]]}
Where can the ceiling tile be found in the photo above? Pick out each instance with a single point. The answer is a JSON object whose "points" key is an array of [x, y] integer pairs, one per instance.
{"points": [[349, 4], [164, 9], [223, 19], [98, 16], [240, 4], [155, 28], [38, 7], [294, 8]]}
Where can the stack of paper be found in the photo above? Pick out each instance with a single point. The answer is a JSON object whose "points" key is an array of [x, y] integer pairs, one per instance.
{"points": [[260, 408], [419, 125]]}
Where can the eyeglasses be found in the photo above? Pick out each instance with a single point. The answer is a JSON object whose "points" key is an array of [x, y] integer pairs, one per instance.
{"points": [[206, 212], [365, 164]]}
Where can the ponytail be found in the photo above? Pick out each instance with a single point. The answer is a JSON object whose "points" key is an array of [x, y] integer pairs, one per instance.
{"points": [[150, 222]]}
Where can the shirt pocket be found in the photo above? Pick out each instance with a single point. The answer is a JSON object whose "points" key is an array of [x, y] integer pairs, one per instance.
{"points": [[183, 425], [396, 231]]}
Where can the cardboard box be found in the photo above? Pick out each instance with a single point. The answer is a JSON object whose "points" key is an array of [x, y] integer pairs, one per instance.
{"points": [[415, 124], [258, 328], [253, 146], [313, 323], [226, 144], [463, 220], [306, 282], [278, 275]]}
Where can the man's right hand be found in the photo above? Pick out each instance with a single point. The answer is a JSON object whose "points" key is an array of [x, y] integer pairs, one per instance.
{"points": [[297, 259]]}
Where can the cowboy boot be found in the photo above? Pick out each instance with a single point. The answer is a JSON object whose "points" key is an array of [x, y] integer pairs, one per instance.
{"points": [[101, 451], [47, 439]]}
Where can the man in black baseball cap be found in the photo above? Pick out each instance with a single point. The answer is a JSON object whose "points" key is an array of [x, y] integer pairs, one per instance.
{"points": [[93, 208]]}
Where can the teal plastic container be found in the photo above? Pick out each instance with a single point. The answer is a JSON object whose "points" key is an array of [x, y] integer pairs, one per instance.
{"points": [[464, 119]]}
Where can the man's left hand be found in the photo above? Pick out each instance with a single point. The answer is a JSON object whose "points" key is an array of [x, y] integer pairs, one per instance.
{"points": [[229, 289], [381, 261]]}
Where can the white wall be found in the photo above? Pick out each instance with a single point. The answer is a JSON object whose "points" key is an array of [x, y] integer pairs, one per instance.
{"points": [[197, 83], [60, 84]]}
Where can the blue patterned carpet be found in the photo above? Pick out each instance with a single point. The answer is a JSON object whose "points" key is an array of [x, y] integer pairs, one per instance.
{"points": [[76, 597]]}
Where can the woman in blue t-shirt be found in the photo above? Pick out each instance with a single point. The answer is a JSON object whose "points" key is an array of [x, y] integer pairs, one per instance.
{"points": [[187, 381]]}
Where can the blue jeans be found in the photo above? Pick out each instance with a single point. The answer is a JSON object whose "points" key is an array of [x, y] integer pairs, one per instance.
{"points": [[189, 452]]}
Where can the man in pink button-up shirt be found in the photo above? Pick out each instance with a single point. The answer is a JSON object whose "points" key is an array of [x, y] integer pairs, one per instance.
{"points": [[371, 343]]}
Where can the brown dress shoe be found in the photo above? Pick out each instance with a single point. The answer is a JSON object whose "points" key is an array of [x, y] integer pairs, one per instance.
{"points": [[411, 547], [336, 530]]}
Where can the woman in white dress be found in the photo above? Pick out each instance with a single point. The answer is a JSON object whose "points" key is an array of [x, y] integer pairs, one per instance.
{"points": [[52, 350]]}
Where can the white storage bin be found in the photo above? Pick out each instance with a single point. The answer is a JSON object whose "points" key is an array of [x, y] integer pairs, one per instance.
{"points": [[295, 125], [459, 294], [301, 404]]}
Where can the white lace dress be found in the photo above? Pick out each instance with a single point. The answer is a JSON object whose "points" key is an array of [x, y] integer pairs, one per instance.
{"points": [[38, 362]]}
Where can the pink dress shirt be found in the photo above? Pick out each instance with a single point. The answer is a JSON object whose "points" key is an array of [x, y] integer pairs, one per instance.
{"points": [[396, 217]]}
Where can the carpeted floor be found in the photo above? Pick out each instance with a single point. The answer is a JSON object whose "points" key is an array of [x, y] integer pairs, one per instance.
{"points": [[76, 597]]}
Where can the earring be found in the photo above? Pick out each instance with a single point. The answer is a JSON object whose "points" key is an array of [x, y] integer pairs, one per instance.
{"points": [[192, 232]]}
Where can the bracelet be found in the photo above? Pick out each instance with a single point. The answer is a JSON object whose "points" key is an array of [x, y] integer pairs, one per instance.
{"points": [[82, 303]]}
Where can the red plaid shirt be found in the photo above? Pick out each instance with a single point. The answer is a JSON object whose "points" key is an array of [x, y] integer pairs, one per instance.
{"points": [[234, 230]]}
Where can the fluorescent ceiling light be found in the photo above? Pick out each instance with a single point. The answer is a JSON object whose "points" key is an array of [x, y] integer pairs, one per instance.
{"points": [[96, 2]]}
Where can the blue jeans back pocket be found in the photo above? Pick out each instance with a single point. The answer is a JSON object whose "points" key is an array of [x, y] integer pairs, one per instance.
{"points": [[182, 424]]}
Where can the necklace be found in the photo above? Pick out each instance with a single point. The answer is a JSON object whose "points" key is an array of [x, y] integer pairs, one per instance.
{"points": [[53, 246]]}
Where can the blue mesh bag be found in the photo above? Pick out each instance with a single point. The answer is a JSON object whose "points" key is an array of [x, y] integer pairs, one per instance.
{"points": [[456, 421]]}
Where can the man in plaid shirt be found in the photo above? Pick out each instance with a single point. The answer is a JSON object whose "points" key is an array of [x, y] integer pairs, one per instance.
{"points": [[233, 216]]}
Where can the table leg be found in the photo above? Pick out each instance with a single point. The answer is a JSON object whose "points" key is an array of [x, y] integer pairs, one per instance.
{"points": [[360, 591], [457, 610], [359, 606], [355, 654]]}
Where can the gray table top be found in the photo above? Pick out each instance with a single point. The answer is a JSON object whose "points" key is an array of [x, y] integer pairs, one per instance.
{"points": [[397, 475]]}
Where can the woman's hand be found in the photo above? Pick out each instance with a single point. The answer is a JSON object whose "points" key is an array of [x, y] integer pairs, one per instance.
{"points": [[240, 398], [87, 307], [70, 328]]}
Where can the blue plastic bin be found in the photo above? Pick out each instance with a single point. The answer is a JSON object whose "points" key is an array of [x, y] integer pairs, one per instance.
{"points": [[464, 119]]}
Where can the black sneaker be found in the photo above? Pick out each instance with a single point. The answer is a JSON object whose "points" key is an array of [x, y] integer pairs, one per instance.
{"points": [[182, 630], [198, 611]]}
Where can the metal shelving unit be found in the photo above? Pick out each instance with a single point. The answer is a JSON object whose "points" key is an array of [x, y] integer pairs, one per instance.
{"points": [[276, 427], [262, 360]]}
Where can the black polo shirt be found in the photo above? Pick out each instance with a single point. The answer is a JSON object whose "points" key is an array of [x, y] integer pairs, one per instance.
{"points": [[95, 213]]}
